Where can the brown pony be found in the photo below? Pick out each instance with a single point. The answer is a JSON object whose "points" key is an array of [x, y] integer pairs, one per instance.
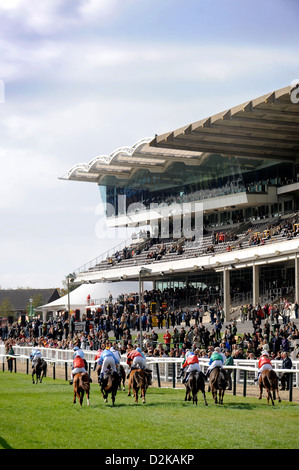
{"points": [[39, 369], [269, 380], [109, 384], [195, 382], [139, 379], [81, 385], [218, 383]]}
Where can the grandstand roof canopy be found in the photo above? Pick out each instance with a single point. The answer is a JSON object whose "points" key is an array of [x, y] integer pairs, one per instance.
{"points": [[263, 128]]}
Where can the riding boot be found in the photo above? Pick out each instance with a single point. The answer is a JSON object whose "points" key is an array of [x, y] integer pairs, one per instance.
{"points": [[185, 378], [71, 382]]}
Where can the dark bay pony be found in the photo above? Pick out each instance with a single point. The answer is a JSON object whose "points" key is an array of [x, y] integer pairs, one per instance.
{"points": [[139, 379], [269, 380], [81, 385], [218, 384], [195, 382], [121, 372], [122, 376], [110, 384], [39, 370]]}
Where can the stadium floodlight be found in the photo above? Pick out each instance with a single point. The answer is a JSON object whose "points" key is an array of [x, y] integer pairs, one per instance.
{"points": [[70, 278], [147, 272]]}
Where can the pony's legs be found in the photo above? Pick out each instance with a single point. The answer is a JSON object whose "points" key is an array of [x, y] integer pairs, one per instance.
{"points": [[261, 390], [214, 394], [204, 397], [136, 394], [143, 395], [278, 396]]}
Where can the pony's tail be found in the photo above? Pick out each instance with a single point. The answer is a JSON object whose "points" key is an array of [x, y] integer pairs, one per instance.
{"points": [[272, 379], [194, 385], [84, 382]]}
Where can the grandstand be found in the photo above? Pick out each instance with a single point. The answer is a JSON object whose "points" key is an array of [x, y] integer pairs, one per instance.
{"points": [[216, 204]]}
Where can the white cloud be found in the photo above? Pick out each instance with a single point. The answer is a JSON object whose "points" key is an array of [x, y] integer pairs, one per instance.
{"points": [[24, 172], [93, 61], [95, 9], [48, 16]]}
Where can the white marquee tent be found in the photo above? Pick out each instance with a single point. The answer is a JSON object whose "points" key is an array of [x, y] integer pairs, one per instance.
{"points": [[98, 293]]}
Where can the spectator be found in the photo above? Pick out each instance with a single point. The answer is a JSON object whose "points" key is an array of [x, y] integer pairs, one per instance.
{"points": [[229, 361], [286, 377], [167, 339], [10, 352]]}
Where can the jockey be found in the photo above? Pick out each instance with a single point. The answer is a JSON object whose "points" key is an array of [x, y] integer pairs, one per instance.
{"points": [[79, 363], [78, 352], [116, 353], [216, 360], [137, 360], [34, 355], [191, 363], [106, 359], [263, 364], [97, 357]]}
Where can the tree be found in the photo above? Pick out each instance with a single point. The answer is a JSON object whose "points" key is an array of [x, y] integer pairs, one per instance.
{"points": [[37, 301], [6, 307], [63, 290]]}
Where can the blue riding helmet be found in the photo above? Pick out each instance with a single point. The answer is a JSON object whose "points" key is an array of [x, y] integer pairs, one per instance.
{"points": [[76, 348]]}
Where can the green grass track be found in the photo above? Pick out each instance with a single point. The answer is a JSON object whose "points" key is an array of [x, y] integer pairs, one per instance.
{"points": [[43, 416]]}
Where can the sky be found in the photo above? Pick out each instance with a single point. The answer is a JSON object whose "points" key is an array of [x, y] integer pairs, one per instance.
{"points": [[80, 78]]}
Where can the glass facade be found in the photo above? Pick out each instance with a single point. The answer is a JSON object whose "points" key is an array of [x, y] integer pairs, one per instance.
{"points": [[215, 176]]}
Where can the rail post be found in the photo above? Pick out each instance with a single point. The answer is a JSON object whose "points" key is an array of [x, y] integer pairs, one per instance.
{"points": [[65, 370], [245, 383], [290, 387], [235, 382], [173, 374], [54, 370], [158, 374]]}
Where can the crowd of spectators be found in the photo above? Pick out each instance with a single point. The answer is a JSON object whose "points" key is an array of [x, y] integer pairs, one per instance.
{"points": [[120, 321]]}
